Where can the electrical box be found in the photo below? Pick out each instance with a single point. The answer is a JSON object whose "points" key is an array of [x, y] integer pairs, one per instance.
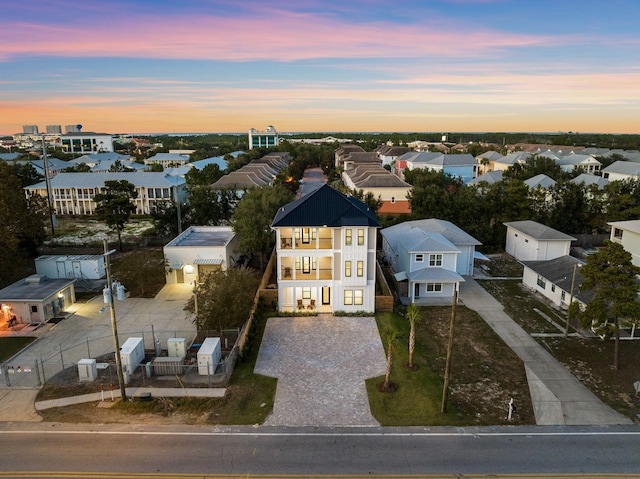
{"points": [[209, 356], [132, 353], [87, 370], [176, 347], [168, 366]]}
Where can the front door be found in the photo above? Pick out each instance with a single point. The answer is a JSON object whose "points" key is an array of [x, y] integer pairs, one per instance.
{"points": [[326, 295], [416, 290], [62, 270], [179, 276], [77, 271]]}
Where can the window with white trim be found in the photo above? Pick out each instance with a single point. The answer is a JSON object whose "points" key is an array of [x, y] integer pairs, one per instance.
{"points": [[358, 297], [360, 237], [419, 258], [348, 296], [541, 282], [434, 287], [348, 237], [435, 260], [306, 292], [347, 269], [360, 269]]}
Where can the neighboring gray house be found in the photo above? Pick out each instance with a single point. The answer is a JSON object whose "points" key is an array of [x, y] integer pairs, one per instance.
{"points": [[553, 279], [588, 180], [490, 177], [540, 181], [532, 241], [622, 170], [430, 254]]}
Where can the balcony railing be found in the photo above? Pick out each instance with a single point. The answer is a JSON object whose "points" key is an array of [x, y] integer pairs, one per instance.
{"points": [[290, 243], [300, 275]]}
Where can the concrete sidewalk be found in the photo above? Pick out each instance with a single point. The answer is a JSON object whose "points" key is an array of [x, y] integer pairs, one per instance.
{"points": [[132, 393], [558, 397]]}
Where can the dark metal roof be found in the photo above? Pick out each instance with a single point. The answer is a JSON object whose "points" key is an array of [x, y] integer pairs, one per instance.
{"points": [[559, 271], [325, 206]]}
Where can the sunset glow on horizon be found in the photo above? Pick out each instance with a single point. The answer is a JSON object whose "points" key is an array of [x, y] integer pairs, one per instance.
{"points": [[412, 66]]}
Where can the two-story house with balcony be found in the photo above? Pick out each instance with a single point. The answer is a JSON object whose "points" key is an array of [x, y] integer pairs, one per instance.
{"points": [[326, 253]]}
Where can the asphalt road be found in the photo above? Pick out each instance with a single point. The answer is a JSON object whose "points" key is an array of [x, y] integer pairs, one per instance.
{"points": [[370, 451]]}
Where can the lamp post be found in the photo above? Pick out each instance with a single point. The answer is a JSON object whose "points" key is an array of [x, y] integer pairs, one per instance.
{"points": [[114, 326], [573, 284]]}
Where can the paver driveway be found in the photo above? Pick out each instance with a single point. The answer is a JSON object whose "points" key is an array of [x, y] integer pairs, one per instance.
{"points": [[321, 363]]}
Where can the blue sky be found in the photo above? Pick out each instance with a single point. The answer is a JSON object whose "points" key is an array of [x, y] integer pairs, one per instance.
{"points": [[456, 65]]}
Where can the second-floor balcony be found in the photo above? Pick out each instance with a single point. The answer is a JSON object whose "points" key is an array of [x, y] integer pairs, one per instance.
{"points": [[289, 273]]}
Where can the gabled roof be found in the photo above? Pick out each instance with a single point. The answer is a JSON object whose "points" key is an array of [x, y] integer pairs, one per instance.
{"points": [[325, 206], [587, 180], [490, 155], [538, 231], [623, 168], [540, 181], [575, 159], [516, 157], [446, 229], [464, 159], [490, 177], [418, 241], [559, 271]]}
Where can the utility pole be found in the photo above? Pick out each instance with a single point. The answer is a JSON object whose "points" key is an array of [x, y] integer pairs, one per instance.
{"points": [[46, 180], [114, 326], [573, 283], [447, 368]]}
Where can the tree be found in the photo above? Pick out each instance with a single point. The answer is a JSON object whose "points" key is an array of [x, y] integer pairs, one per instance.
{"points": [[253, 216], [224, 298], [387, 386], [23, 221], [611, 276], [413, 316], [114, 204]]}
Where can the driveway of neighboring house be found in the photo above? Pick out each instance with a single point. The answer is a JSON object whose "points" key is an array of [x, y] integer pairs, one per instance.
{"points": [[321, 363]]}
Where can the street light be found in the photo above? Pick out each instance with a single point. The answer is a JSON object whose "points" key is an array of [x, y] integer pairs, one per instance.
{"points": [[114, 327]]}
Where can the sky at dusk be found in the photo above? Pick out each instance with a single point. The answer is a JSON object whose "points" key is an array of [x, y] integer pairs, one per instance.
{"points": [[151, 66]]}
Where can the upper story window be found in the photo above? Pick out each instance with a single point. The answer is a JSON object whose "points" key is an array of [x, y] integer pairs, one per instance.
{"points": [[617, 233], [541, 282], [360, 268], [348, 237], [360, 237], [347, 269], [435, 260], [419, 258]]}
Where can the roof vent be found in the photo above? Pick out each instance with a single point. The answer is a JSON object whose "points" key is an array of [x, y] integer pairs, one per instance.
{"points": [[35, 279]]}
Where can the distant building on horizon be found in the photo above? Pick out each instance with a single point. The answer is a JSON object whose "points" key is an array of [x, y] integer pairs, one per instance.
{"points": [[54, 129], [263, 139], [30, 129]]}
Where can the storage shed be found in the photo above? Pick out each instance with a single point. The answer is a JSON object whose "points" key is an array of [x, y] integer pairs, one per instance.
{"points": [[35, 299], [85, 266]]}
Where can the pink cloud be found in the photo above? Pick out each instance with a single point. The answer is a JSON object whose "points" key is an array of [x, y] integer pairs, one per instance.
{"points": [[285, 36]]}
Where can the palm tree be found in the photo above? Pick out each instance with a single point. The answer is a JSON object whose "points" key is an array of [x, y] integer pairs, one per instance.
{"points": [[390, 338], [413, 315]]}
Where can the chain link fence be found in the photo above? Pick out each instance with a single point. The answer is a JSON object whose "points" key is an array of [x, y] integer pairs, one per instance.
{"points": [[27, 371]]}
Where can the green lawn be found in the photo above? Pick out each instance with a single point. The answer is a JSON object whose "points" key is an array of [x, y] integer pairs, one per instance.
{"points": [[11, 346]]}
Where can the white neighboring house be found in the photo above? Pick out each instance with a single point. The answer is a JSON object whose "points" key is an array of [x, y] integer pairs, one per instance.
{"points": [[167, 160], [431, 255], [627, 233], [532, 241], [85, 266], [326, 253], [572, 162], [199, 250], [622, 170], [87, 142], [554, 278], [73, 193]]}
